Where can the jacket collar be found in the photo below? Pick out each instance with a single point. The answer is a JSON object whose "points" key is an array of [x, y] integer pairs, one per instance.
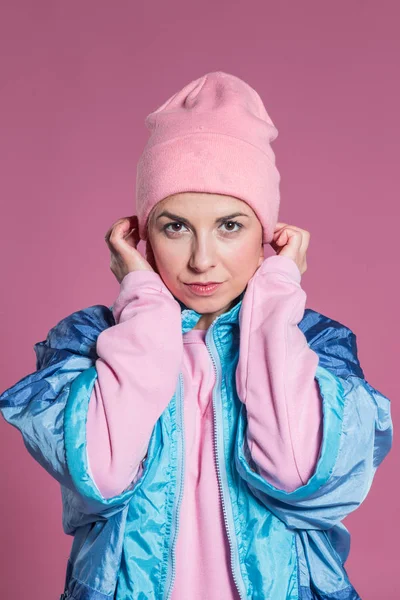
{"points": [[190, 317]]}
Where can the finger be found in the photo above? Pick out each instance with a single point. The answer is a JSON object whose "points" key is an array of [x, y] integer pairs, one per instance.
{"points": [[286, 237], [287, 228], [303, 232], [280, 225], [305, 241], [120, 229], [112, 229], [128, 233], [287, 233], [132, 238]]}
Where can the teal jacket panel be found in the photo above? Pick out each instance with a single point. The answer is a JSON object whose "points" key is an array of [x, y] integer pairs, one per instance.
{"points": [[123, 546]]}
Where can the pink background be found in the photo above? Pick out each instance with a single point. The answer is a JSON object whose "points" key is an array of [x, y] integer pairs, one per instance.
{"points": [[77, 80]]}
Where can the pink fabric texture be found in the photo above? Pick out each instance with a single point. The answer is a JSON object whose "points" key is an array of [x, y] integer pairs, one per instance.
{"points": [[202, 534], [275, 378], [203, 138], [129, 394]]}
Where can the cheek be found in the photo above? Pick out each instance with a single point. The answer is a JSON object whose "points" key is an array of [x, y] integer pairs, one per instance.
{"points": [[169, 258], [244, 258]]}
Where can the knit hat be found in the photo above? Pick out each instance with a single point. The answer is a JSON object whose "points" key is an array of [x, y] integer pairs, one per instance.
{"points": [[212, 136]]}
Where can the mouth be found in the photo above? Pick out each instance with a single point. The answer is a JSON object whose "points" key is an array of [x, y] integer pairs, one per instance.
{"points": [[203, 289]]}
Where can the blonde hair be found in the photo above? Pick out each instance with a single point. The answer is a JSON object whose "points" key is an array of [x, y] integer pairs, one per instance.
{"points": [[152, 215], [151, 218]]}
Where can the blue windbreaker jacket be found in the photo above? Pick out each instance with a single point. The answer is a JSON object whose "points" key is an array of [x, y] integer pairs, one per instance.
{"points": [[284, 545]]}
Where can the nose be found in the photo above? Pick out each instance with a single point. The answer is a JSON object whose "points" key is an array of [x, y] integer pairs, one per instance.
{"points": [[203, 254]]}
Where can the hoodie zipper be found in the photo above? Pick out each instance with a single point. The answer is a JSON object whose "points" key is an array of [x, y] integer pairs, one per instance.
{"points": [[222, 477], [223, 483], [176, 508]]}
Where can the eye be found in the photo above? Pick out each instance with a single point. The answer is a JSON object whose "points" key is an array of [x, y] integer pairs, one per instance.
{"points": [[180, 225], [239, 225], [165, 228]]}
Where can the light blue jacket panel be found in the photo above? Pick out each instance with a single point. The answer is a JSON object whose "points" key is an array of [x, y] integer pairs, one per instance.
{"points": [[284, 545]]}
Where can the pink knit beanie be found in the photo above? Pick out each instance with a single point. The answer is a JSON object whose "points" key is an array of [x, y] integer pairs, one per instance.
{"points": [[212, 136]]}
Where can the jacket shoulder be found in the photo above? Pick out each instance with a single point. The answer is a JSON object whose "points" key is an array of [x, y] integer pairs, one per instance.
{"points": [[75, 334], [334, 342]]}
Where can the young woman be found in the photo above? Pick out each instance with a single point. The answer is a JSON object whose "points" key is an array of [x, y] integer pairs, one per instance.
{"points": [[209, 433]]}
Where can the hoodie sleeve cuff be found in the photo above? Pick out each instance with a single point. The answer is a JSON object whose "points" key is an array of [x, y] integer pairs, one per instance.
{"points": [[75, 440], [282, 264], [144, 278]]}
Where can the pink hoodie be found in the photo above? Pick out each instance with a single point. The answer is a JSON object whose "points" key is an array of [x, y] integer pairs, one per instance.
{"points": [[277, 385]]}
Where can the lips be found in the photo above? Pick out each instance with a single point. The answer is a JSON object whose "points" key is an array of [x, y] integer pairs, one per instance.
{"points": [[203, 289]]}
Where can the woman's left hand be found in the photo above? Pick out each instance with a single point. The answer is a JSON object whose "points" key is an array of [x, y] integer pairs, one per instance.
{"points": [[291, 241]]}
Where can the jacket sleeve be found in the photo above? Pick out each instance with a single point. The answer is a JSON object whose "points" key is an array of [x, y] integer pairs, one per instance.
{"points": [[309, 469], [49, 406]]}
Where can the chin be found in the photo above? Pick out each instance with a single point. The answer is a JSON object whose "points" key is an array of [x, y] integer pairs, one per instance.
{"points": [[209, 305]]}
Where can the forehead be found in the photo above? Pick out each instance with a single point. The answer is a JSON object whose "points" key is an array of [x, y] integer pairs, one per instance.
{"points": [[204, 203]]}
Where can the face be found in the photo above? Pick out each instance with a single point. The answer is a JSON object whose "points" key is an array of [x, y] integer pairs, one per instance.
{"points": [[199, 238]]}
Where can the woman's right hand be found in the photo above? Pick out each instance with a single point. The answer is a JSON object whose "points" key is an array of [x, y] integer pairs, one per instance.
{"points": [[122, 239]]}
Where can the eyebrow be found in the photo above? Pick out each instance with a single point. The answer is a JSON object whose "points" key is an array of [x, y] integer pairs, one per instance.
{"points": [[166, 213]]}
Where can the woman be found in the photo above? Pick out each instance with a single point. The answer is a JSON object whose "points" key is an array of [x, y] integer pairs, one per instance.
{"points": [[208, 439]]}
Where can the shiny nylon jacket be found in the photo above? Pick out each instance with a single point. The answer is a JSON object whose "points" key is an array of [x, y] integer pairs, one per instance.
{"points": [[284, 545]]}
